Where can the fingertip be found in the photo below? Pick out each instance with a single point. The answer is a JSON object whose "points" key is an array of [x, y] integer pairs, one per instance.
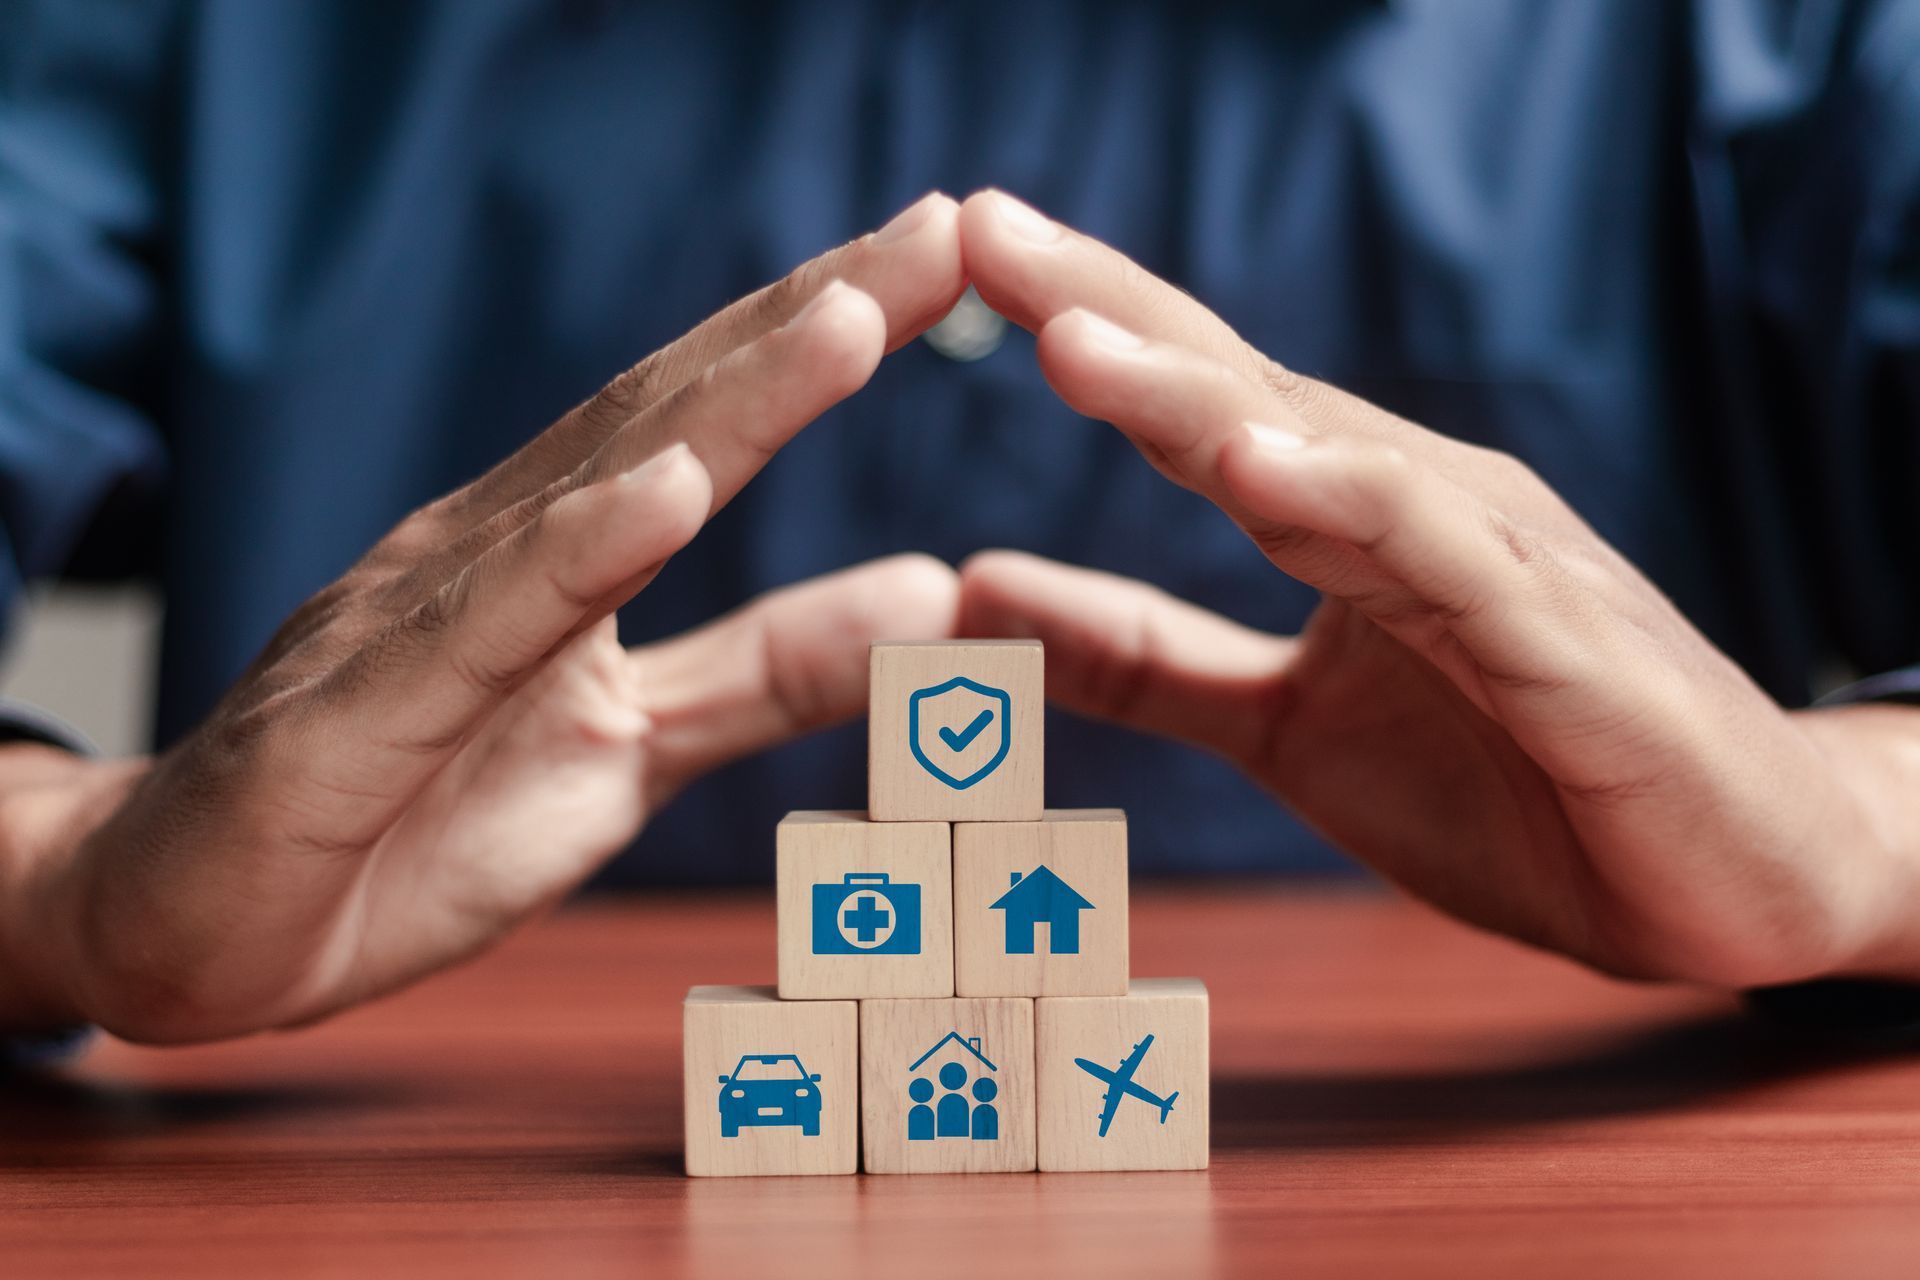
{"points": [[991, 213], [943, 211], [914, 264], [930, 209], [1109, 373], [914, 596], [998, 588], [999, 257], [976, 217], [844, 331], [1077, 338], [1059, 335], [986, 569], [917, 567], [1258, 461], [674, 493]]}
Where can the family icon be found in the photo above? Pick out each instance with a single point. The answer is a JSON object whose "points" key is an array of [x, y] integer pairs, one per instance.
{"points": [[953, 1116]]}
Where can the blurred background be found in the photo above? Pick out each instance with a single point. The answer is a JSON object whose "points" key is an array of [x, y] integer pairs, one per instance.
{"points": [[272, 274], [92, 652]]}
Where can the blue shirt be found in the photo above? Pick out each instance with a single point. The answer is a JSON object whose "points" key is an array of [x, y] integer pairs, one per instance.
{"points": [[271, 275]]}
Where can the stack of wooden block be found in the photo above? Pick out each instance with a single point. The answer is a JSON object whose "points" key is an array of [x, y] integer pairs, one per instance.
{"points": [[954, 991]]}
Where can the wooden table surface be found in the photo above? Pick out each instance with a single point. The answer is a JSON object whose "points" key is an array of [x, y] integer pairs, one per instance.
{"points": [[1392, 1094]]}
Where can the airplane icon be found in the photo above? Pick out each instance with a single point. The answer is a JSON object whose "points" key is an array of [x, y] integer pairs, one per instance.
{"points": [[1119, 1081]]}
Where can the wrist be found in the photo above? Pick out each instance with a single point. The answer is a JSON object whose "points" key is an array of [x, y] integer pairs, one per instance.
{"points": [[51, 801], [1873, 753]]}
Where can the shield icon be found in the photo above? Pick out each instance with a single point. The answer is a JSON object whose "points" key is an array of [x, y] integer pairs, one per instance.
{"points": [[958, 730]]}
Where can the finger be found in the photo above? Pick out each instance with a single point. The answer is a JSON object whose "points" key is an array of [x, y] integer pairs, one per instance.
{"points": [[740, 412], [1034, 270], [1176, 404], [1181, 408], [791, 661], [1369, 521], [1128, 652], [1446, 572], [910, 267], [733, 418], [388, 717], [1030, 269]]}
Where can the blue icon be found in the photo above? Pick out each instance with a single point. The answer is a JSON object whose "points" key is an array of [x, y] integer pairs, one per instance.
{"points": [[1119, 1082], [866, 914], [959, 731], [954, 1116], [769, 1089], [1036, 897]]}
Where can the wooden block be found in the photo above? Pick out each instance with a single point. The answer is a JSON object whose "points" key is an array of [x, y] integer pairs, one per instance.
{"points": [[1094, 1050], [1040, 908], [770, 1086], [946, 1086], [865, 908], [954, 731]]}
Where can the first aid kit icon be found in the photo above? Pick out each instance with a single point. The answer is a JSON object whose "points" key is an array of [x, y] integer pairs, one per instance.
{"points": [[866, 913]]}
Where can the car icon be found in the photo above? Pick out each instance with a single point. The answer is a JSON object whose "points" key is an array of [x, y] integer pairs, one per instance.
{"points": [[769, 1089]]}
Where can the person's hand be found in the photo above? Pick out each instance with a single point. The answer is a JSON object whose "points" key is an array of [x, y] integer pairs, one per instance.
{"points": [[1490, 707], [450, 736]]}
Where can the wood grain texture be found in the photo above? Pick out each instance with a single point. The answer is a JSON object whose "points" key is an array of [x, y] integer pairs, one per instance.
{"points": [[1105, 1030], [1087, 850], [720, 1028], [900, 788], [819, 847], [904, 1041], [1393, 1094]]}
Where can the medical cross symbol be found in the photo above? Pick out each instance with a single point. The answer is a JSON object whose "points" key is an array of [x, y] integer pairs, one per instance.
{"points": [[865, 917]]}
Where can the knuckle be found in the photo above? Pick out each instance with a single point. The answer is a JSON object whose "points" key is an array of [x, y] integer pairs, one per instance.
{"points": [[1594, 571], [698, 387], [554, 534], [482, 671], [1281, 541], [437, 613], [1308, 398], [319, 613], [535, 506], [1567, 580], [785, 296], [248, 738], [1398, 608], [1282, 381], [631, 391], [1518, 545], [1390, 467], [416, 535]]}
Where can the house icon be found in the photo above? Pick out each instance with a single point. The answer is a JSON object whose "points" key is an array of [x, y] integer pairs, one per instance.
{"points": [[1042, 895]]}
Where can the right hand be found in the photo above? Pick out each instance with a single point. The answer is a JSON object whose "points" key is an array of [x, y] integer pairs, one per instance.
{"points": [[450, 736], [1491, 706]]}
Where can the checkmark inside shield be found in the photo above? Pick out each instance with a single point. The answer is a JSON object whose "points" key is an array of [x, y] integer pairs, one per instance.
{"points": [[958, 741], [979, 745]]}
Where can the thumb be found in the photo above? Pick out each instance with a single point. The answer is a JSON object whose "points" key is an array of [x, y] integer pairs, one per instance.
{"points": [[789, 662], [1124, 651]]}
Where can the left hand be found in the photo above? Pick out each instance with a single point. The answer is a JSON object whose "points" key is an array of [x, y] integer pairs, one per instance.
{"points": [[449, 736], [1492, 707]]}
